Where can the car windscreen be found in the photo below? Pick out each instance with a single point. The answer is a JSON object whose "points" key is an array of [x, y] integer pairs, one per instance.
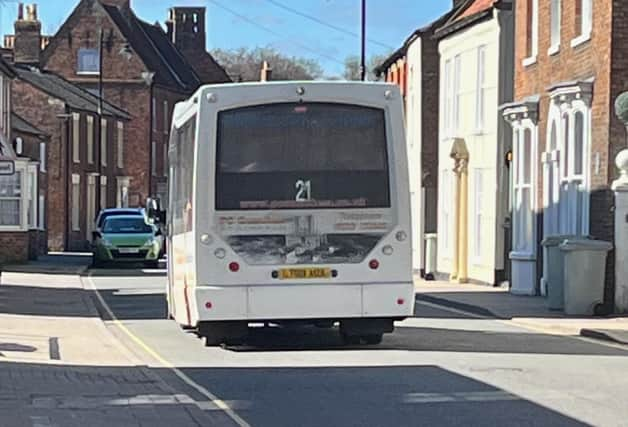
{"points": [[105, 215], [302, 155], [120, 225]]}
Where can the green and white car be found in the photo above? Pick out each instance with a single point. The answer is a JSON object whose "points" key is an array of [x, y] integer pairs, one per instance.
{"points": [[128, 239]]}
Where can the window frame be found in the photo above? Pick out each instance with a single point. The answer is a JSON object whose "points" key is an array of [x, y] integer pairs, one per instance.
{"points": [[586, 23], [21, 172], [76, 202], [480, 96], [524, 244], [120, 145], [532, 33], [83, 72], [90, 139], [76, 137], [555, 26], [478, 218], [103, 142]]}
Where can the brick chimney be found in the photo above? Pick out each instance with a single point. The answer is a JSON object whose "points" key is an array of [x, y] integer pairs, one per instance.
{"points": [[186, 28], [27, 47], [266, 73]]}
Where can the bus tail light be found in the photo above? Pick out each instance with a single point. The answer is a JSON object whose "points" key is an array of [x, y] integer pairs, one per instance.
{"points": [[400, 301], [374, 264], [234, 267], [208, 305]]}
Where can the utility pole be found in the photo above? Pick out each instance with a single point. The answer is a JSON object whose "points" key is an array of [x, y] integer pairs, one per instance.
{"points": [[363, 54]]}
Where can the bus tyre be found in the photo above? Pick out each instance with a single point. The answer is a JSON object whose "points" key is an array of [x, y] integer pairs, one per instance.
{"points": [[373, 339], [350, 339]]}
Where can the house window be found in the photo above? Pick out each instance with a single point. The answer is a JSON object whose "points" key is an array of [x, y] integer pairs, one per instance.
{"points": [[120, 147], [555, 20], [154, 114], [88, 61], [11, 199], [122, 192], [532, 30], [480, 89], [165, 157], [18, 145], [574, 197], [103, 192], [42, 157], [42, 212], [166, 118], [478, 200], [584, 20], [447, 98], [32, 198], [76, 199], [153, 158], [446, 217], [523, 174], [103, 142], [457, 95], [76, 137], [90, 139]]}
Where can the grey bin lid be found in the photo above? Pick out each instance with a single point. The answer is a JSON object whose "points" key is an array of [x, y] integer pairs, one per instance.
{"points": [[557, 239], [585, 245]]}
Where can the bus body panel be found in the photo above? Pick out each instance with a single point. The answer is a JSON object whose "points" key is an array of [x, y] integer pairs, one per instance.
{"points": [[311, 301], [252, 291]]}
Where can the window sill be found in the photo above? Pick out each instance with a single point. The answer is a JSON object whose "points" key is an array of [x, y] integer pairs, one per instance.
{"points": [[581, 40], [12, 228], [479, 132], [88, 73], [529, 61], [553, 50]]}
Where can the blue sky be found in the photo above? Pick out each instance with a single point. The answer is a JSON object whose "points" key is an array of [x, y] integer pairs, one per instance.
{"points": [[389, 22]]}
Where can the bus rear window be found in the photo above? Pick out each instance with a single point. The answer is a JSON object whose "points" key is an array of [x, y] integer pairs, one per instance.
{"points": [[302, 156]]}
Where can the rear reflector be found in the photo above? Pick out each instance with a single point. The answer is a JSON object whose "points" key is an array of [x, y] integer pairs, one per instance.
{"points": [[400, 301], [208, 305], [374, 264], [234, 267]]}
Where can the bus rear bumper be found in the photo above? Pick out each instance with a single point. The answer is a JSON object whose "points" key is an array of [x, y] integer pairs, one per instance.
{"points": [[294, 302]]}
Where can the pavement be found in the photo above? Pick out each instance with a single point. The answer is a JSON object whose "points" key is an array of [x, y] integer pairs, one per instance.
{"points": [[528, 311], [61, 366], [53, 263]]}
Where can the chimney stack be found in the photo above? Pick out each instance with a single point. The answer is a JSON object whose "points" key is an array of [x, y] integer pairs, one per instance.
{"points": [[27, 47], [266, 74], [186, 28]]}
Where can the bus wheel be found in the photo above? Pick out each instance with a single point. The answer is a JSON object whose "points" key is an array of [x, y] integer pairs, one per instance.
{"points": [[373, 339], [350, 339]]}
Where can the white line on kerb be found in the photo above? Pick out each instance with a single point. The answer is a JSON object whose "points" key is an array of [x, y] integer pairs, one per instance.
{"points": [[219, 403]]}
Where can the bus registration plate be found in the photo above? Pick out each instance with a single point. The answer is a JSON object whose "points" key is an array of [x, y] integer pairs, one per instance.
{"points": [[304, 273]]}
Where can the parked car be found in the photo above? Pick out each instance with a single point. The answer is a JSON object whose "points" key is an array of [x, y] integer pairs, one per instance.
{"points": [[127, 238], [106, 213]]}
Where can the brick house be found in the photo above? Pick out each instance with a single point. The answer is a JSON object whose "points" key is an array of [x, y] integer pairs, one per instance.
{"points": [[570, 65], [415, 68], [476, 76], [22, 226], [146, 70]]}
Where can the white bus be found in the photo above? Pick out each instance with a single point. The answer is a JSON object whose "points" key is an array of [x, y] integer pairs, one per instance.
{"points": [[289, 201]]}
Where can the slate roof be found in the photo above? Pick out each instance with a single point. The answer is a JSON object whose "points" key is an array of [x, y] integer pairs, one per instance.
{"points": [[6, 68], [156, 51], [21, 125], [74, 96], [469, 13]]}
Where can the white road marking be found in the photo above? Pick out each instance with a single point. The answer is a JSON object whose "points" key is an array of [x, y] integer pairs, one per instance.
{"points": [[219, 403], [468, 396]]}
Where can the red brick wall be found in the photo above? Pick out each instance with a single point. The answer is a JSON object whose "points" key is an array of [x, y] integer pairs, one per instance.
{"points": [[602, 58], [34, 105], [13, 247]]}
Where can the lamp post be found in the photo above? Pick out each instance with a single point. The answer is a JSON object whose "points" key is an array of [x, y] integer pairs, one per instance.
{"points": [[126, 52]]}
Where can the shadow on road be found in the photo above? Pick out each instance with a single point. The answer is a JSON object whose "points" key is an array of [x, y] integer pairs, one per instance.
{"points": [[42, 301], [370, 396]]}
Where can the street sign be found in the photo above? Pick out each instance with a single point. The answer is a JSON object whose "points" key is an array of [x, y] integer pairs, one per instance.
{"points": [[7, 167]]}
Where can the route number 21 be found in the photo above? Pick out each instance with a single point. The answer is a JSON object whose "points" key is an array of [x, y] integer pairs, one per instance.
{"points": [[304, 190]]}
